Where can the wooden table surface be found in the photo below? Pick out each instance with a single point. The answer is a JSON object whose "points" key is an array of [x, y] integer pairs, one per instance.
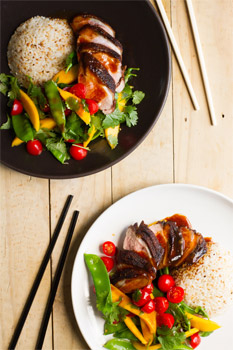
{"points": [[183, 147]]}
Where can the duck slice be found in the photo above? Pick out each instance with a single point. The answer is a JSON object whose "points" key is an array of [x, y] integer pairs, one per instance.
{"points": [[99, 84], [81, 20], [109, 58], [94, 34]]}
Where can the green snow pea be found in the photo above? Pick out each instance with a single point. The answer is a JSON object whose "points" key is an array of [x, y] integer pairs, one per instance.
{"points": [[55, 104], [101, 280], [22, 127], [119, 344]]}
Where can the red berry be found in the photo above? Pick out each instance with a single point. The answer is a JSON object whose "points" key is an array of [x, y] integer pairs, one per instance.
{"points": [[92, 106], [17, 108], [78, 90], [149, 307], [175, 294], [161, 304], [195, 340], [165, 320], [108, 262], [165, 282], [78, 153], [34, 147]]}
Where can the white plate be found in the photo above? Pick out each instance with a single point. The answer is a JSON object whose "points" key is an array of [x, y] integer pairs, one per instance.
{"points": [[209, 212]]}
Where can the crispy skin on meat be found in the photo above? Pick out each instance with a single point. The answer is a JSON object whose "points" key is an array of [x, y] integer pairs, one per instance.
{"points": [[94, 34], [163, 244], [81, 20]]}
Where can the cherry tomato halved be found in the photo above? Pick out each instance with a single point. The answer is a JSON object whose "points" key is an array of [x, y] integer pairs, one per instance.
{"points": [[165, 282], [195, 340], [67, 112], [140, 297], [175, 294], [34, 147], [165, 320], [17, 108], [161, 304], [92, 106], [78, 153], [149, 307], [78, 90], [149, 288], [108, 262], [109, 248]]}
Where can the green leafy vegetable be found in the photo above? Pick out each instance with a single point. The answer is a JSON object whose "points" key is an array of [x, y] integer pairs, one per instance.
{"points": [[131, 116], [85, 106], [58, 148], [129, 74], [172, 340], [138, 96], [7, 125], [13, 92], [205, 334], [71, 60], [178, 312], [36, 94], [113, 119], [75, 129]]}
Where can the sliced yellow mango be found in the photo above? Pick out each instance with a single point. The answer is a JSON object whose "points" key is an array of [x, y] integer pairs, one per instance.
{"points": [[121, 102], [125, 303], [84, 115], [130, 324], [92, 133], [16, 142], [201, 323], [31, 109], [48, 123], [146, 332], [112, 132], [139, 346], [67, 78]]}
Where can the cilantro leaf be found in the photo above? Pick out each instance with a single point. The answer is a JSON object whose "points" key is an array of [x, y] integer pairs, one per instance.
{"points": [[138, 96], [113, 119], [205, 334], [173, 341], [201, 311], [58, 149], [13, 92], [4, 82], [36, 92], [96, 120], [7, 125], [131, 115], [127, 92], [74, 129], [71, 61]]}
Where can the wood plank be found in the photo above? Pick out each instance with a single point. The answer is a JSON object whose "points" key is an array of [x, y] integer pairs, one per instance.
{"points": [[92, 195], [24, 239], [152, 162], [204, 153]]}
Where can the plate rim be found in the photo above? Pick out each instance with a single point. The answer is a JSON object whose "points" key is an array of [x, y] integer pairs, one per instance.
{"points": [[203, 189], [112, 163]]}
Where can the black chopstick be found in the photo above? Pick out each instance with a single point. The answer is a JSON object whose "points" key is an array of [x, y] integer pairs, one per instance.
{"points": [[39, 276], [55, 282]]}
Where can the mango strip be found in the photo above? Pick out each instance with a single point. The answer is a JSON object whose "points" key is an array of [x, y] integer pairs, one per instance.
{"points": [[67, 78], [201, 323], [130, 324], [31, 109]]}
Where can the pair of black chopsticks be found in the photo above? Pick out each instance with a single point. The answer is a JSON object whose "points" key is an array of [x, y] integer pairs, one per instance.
{"points": [[40, 274]]}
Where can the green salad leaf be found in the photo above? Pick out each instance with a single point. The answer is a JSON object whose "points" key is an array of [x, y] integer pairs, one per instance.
{"points": [[71, 61], [129, 73], [58, 148], [75, 129], [113, 119], [171, 339], [7, 125], [138, 96]]}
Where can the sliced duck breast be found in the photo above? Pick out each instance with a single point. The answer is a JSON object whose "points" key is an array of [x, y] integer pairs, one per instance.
{"points": [[94, 34], [135, 243], [99, 84], [109, 59], [81, 20]]}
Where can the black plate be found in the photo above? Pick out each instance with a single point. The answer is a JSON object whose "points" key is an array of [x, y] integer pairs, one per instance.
{"points": [[145, 45]]}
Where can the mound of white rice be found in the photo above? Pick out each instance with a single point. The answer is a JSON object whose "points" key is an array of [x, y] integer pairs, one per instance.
{"points": [[38, 48], [208, 283]]}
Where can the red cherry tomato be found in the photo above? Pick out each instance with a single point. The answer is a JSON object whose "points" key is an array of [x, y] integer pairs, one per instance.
{"points": [[70, 140], [109, 248], [175, 294], [149, 307], [34, 147], [165, 320], [46, 108], [195, 340], [149, 288], [78, 90], [78, 153], [92, 106], [108, 262], [165, 282], [17, 108], [161, 304], [140, 297]]}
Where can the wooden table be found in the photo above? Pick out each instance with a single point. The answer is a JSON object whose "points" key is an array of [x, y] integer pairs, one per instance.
{"points": [[183, 147]]}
